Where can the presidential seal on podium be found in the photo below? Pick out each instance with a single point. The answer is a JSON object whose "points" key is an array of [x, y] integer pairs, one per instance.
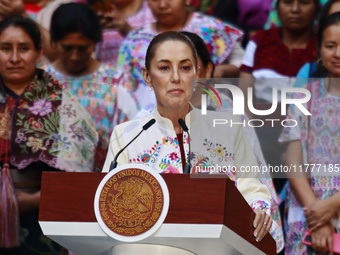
{"points": [[131, 202]]}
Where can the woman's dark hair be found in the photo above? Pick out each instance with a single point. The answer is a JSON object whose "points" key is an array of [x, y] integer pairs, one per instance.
{"points": [[201, 49], [333, 19], [75, 18], [164, 37], [325, 10], [26, 24], [316, 3]]}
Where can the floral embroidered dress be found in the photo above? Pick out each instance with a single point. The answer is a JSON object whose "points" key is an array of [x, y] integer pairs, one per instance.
{"points": [[320, 139], [104, 98], [225, 149], [43, 129], [107, 50], [219, 37]]}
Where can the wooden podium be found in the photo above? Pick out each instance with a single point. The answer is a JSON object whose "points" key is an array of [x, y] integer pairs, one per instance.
{"points": [[206, 216]]}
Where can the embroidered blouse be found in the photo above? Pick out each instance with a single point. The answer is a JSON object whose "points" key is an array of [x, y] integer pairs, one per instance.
{"points": [[104, 97], [224, 150], [46, 124], [267, 56], [319, 135]]}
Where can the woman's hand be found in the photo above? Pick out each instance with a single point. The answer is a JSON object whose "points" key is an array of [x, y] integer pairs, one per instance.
{"points": [[320, 213], [26, 201], [11, 7], [262, 224], [226, 71], [114, 20], [322, 239]]}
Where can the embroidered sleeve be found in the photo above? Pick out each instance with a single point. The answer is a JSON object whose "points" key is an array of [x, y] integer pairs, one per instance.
{"points": [[263, 205], [276, 228]]}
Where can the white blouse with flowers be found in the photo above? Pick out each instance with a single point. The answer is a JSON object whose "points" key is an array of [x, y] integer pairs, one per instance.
{"points": [[223, 148], [220, 149]]}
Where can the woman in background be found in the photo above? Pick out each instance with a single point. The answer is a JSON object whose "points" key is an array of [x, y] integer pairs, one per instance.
{"points": [[75, 30], [314, 203], [315, 69], [273, 18], [42, 128], [272, 59]]}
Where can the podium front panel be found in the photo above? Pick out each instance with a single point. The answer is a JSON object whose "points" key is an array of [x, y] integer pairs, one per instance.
{"points": [[204, 216]]}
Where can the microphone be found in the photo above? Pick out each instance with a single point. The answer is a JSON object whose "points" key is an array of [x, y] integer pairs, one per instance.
{"points": [[144, 128], [185, 129]]}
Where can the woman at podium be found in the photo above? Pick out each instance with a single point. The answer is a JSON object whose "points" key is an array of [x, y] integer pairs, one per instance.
{"points": [[181, 139]]}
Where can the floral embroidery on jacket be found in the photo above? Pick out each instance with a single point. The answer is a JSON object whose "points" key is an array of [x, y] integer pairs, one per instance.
{"points": [[260, 204], [148, 155], [219, 151], [169, 164]]}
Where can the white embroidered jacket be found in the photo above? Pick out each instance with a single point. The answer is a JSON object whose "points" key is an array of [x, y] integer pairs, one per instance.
{"points": [[219, 149]]}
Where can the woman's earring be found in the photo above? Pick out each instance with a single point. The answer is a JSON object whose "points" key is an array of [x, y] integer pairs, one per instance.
{"points": [[151, 88], [319, 62]]}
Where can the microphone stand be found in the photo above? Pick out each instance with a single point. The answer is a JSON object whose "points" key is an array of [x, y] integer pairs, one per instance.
{"points": [[185, 129], [114, 163]]}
